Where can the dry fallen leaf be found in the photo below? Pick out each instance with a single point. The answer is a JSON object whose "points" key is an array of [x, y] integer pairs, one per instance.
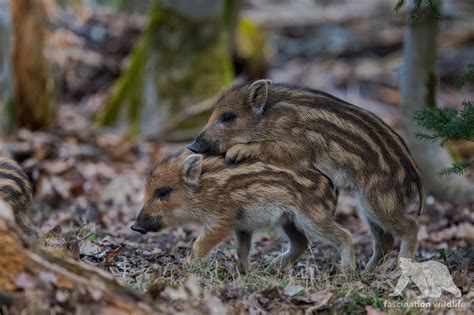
{"points": [[89, 248], [320, 299], [111, 255], [374, 311], [190, 290], [292, 290]]}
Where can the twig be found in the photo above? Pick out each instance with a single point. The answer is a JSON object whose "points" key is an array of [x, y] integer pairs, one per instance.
{"points": [[187, 113], [182, 116]]}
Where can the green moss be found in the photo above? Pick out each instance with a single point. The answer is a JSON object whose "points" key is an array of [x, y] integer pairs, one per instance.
{"points": [[9, 115], [127, 90], [340, 292], [190, 61], [372, 298], [252, 49], [453, 151], [251, 39], [197, 62]]}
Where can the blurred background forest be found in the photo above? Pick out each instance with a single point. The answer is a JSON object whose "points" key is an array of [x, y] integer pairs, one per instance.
{"points": [[93, 92]]}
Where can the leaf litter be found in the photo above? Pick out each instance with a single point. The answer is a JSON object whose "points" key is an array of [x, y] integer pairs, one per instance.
{"points": [[88, 202]]}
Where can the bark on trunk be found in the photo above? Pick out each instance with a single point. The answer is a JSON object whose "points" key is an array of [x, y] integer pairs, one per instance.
{"points": [[5, 71], [418, 82], [34, 106]]}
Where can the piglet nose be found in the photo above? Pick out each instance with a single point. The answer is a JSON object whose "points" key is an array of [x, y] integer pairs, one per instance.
{"points": [[193, 147], [138, 228], [200, 144]]}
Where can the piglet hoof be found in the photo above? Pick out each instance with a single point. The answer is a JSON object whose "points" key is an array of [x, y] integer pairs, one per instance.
{"points": [[242, 267], [236, 154], [229, 160]]}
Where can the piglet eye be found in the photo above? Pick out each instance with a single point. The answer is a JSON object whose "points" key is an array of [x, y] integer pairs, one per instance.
{"points": [[228, 117], [162, 192]]}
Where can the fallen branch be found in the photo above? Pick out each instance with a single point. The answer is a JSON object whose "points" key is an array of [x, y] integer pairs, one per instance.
{"points": [[174, 123], [181, 117]]}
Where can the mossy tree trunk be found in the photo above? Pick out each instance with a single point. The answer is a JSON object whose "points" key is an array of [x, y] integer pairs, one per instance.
{"points": [[33, 98], [418, 83], [182, 58]]}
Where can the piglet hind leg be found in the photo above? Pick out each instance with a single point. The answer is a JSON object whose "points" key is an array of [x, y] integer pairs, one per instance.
{"points": [[298, 245], [383, 224], [244, 240], [327, 229], [382, 245], [386, 213], [409, 238]]}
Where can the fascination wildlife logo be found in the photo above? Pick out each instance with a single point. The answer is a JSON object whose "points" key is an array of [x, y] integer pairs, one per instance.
{"points": [[431, 277]]}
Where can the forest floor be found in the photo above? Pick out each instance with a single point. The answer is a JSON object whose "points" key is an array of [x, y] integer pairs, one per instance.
{"points": [[89, 181]]}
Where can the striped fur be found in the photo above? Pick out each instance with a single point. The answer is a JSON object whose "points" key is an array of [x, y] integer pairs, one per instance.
{"points": [[352, 146], [15, 190], [242, 198]]}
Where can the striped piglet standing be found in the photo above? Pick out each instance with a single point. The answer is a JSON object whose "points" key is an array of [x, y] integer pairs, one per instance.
{"points": [[301, 127], [15, 192], [240, 199]]}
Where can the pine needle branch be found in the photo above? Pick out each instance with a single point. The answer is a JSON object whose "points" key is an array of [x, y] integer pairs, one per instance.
{"points": [[447, 124], [415, 13], [458, 168], [469, 74], [400, 4]]}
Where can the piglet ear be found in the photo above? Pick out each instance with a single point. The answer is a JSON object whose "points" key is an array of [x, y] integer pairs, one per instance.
{"points": [[192, 167], [257, 96]]}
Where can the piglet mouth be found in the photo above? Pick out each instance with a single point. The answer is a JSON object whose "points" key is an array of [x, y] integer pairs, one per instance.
{"points": [[138, 228], [216, 149]]}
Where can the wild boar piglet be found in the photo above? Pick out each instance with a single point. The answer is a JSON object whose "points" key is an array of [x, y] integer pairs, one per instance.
{"points": [[297, 126], [190, 188], [15, 191]]}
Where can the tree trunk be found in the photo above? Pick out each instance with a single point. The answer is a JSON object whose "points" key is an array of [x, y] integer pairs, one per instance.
{"points": [[5, 71], [418, 82], [34, 107], [182, 58]]}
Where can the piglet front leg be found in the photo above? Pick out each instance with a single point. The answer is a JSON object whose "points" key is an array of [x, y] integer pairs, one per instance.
{"points": [[267, 151], [209, 238], [241, 152]]}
